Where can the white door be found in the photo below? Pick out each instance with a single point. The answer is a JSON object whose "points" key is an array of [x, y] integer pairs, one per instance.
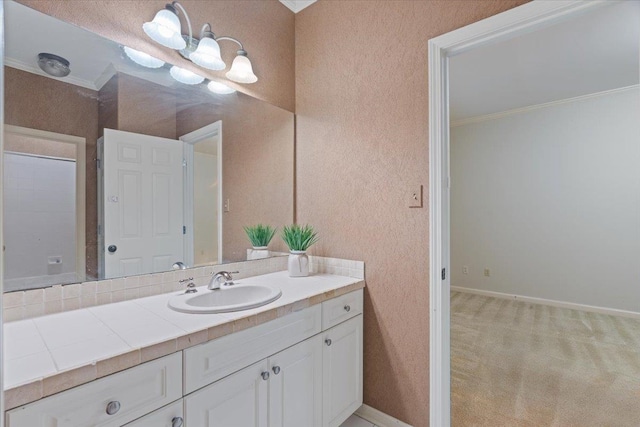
{"points": [[143, 195], [239, 400], [295, 386], [342, 371]]}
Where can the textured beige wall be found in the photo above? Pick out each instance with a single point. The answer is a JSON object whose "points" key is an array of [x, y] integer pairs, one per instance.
{"points": [[265, 27], [362, 143], [257, 165], [38, 102]]}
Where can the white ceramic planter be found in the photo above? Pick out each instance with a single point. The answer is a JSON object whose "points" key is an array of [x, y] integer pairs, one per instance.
{"points": [[258, 252], [298, 264]]}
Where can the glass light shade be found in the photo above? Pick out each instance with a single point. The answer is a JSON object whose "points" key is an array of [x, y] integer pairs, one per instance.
{"points": [[207, 55], [165, 29], [142, 58], [185, 76], [241, 71], [220, 88]]}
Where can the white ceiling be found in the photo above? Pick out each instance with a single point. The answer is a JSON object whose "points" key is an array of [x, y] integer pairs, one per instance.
{"points": [[595, 52], [297, 5]]}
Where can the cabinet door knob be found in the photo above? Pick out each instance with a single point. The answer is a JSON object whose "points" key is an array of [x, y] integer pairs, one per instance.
{"points": [[276, 370], [112, 248], [113, 407], [177, 422], [347, 308], [327, 342], [265, 375]]}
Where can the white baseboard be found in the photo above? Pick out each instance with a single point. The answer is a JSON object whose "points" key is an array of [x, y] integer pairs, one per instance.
{"points": [[553, 303], [380, 419]]}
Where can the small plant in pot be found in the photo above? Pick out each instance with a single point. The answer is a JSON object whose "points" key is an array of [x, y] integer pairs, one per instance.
{"points": [[259, 235], [299, 239]]}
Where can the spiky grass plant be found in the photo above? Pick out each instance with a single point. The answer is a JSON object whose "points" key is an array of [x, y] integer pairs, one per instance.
{"points": [[260, 235], [299, 238]]}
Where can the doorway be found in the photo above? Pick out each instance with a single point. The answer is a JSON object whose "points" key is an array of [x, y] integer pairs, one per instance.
{"points": [[516, 22]]}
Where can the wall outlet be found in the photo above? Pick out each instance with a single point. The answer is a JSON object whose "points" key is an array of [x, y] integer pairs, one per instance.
{"points": [[487, 272], [465, 270]]}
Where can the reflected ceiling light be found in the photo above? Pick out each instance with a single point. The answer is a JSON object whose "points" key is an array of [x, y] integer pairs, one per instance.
{"points": [[53, 65], [142, 58], [185, 76], [205, 52], [241, 70], [220, 88], [165, 28]]}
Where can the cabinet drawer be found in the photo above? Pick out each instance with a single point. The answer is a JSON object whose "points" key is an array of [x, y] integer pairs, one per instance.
{"points": [[339, 309], [170, 416], [216, 359], [138, 391]]}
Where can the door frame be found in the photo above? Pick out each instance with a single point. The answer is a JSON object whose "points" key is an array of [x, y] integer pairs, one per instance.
{"points": [[81, 179], [189, 140], [528, 17]]}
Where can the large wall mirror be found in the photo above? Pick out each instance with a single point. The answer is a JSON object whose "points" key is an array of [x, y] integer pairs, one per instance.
{"points": [[117, 169]]}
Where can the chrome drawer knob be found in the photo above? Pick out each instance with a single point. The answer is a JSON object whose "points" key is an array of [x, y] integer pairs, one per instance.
{"points": [[347, 308], [276, 370], [113, 407], [177, 422], [265, 375], [327, 342]]}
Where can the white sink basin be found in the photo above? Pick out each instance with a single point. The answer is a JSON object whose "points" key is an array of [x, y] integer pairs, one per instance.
{"points": [[232, 298]]}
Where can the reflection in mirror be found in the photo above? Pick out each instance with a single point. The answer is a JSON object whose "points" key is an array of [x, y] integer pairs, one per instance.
{"points": [[117, 169]]}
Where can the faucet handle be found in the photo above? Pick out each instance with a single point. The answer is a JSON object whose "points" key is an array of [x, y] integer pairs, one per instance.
{"points": [[186, 280]]}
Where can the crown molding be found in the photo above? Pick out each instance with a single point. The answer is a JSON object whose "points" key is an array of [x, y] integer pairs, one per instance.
{"points": [[512, 112], [13, 63], [297, 5]]}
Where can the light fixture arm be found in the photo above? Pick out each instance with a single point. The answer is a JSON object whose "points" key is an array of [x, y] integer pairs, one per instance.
{"points": [[244, 52], [186, 17]]}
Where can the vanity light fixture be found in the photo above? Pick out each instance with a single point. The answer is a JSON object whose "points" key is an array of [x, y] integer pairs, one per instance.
{"points": [[165, 29], [142, 58], [220, 88], [185, 76]]}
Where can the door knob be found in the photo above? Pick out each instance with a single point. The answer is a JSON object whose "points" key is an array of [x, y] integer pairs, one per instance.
{"points": [[112, 248], [177, 422], [347, 308], [113, 407], [276, 370], [265, 375], [327, 342]]}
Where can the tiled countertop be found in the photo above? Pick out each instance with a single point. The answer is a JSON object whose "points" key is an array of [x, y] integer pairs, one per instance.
{"points": [[49, 354]]}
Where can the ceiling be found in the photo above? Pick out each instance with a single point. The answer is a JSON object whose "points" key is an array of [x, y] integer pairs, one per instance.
{"points": [[297, 5], [595, 52]]}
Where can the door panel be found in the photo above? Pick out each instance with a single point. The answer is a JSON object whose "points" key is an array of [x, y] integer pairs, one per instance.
{"points": [[143, 211], [295, 391]]}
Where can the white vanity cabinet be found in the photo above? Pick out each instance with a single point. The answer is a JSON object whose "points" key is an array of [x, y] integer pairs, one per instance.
{"points": [[299, 370]]}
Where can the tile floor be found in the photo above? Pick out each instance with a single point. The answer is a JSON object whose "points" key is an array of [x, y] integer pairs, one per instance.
{"points": [[355, 421]]}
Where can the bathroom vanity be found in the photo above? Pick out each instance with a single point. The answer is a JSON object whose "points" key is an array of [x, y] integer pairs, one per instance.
{"points": [[294, 362]]}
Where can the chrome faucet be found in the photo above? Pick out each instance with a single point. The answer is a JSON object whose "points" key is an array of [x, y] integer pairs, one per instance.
{"points": [[221, 277]]}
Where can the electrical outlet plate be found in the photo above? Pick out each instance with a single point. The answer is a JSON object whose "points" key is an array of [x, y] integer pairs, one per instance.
{"points": [[414, 197]]}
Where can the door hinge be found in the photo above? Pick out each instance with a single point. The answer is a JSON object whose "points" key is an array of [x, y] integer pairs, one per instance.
{"points": [[444, 273], [98, 164], [184, 229], [184, 163]]}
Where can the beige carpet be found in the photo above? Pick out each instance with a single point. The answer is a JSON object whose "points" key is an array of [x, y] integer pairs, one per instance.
{"points": [[520, 364]]}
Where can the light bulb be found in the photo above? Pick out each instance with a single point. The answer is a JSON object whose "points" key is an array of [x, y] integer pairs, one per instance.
{"points": [[142, 58], [207, 55], [185, 76], [220, 88], [241, 70], [165, 29]]}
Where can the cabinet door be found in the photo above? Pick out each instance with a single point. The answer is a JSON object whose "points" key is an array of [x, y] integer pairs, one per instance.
{"points": [[342, 371], [169, 416], [239, 400], [295, 386]]}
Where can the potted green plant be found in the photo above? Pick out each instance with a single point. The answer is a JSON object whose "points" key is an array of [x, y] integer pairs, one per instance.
{"points": [[299, 238], [259, 235]]}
